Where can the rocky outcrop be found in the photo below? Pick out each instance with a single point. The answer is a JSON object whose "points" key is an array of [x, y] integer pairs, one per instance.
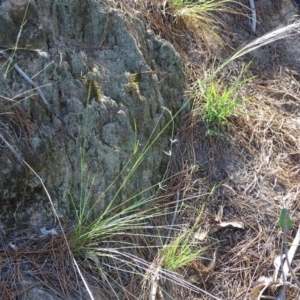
{"points": [[107, 78]]}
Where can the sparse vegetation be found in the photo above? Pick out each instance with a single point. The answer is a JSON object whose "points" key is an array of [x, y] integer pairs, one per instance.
{"points": [[131, 249]]}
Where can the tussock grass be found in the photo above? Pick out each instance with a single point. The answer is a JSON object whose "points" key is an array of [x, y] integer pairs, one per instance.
{"points": [[181, 251], [193, 23], [219, 101], [201, 19]]}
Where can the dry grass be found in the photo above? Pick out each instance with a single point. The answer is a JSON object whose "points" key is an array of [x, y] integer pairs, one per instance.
{"points": [[30, 263], [256, 170]]}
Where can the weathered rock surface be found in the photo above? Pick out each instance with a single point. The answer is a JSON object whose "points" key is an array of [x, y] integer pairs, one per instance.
{"points": [[68, 47]]}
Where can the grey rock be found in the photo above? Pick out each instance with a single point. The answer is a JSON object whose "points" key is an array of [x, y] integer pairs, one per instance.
{"points": [[71, 47], [20, 24]]}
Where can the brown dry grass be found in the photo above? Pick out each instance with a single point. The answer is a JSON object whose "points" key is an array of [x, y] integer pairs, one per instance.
{"points": [[258, 174], [30, 264], [256, 168]]}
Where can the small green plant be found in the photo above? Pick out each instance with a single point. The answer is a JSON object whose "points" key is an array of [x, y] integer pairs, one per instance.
{"points": [[286, 223], [182, 251], [220, 102]]}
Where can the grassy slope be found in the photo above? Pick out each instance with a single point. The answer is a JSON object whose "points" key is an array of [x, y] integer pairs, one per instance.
{"points": [[243, 176]]}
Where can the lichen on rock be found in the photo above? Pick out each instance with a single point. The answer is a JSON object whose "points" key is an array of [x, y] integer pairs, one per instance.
{"points": [[81, 37]]}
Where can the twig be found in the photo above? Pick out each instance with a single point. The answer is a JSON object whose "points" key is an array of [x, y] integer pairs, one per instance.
{"points": [[43, 98], [155, 275], [290, 256], [286, 267], [282, 290], [286, 93], [173, 219], [154, 286], [252, 6]]}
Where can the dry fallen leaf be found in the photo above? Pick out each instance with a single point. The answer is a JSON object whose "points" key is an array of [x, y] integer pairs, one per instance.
{"points": [[201, 234], [260, 286], [235, 224], [194, 279], [220, 214]]}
